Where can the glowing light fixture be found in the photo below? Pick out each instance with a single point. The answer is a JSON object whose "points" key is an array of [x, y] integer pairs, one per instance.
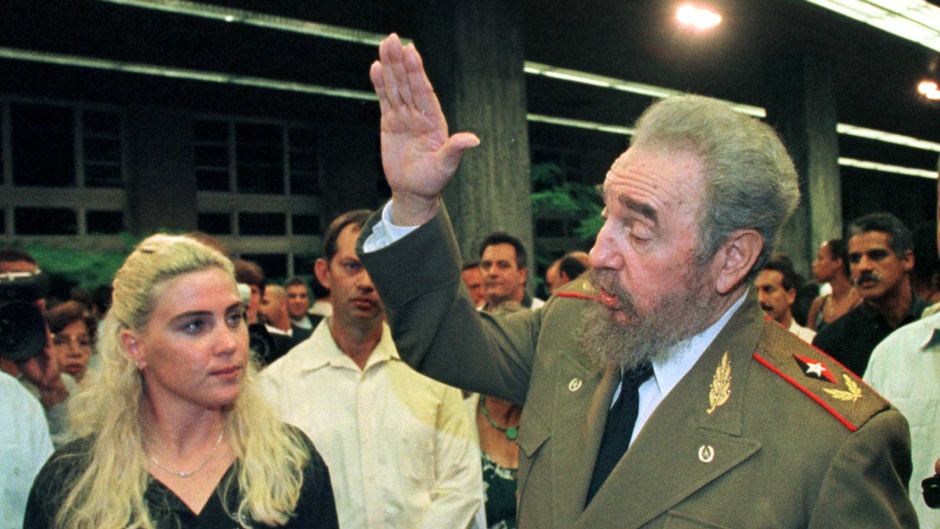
{"points": [[887, 168], [700, 18], [929, 89], [914, 20]]}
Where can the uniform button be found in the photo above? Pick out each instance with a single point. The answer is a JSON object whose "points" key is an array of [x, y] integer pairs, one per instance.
{"points": [[575, 384]]}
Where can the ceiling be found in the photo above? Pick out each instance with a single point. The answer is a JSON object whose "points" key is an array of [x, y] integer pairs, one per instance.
{"points": [[874, 73]]}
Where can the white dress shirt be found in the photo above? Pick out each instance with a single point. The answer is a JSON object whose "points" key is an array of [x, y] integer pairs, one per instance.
{"points": [[399, 446], [905, 369], [24, 447]]}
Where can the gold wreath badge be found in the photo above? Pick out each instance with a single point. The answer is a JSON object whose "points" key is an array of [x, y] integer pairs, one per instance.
{"points": [[852, 394], [721, 384]]}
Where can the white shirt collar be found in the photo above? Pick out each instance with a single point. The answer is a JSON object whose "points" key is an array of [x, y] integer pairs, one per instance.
{"points": [[320, 350], [668, 373]]}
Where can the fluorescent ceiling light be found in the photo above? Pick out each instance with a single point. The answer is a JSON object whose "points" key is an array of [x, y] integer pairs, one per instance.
{"points": [[887, 137], [580, 124], [254, 18], [700, 18], [914, 20], [887, 168], [181, 73]]}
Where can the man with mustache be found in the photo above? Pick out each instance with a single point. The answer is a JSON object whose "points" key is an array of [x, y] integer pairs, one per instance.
{"points": [[655, 393], [880, 250], [399, 445], [904, 369], [776, 291]]}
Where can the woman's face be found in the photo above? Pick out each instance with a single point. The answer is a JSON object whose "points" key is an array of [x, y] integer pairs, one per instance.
{"points": [[824, 266], [72, 348], [193, 351]]}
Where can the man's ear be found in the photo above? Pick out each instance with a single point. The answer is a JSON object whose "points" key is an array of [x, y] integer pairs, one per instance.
{"points": [[791, 296], [525, 274], [131, 345], [735, 258], [321, 269], [908, 259]]}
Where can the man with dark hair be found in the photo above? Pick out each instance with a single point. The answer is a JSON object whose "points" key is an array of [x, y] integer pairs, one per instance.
{"points": [[503, 263], [565, 269], [657, 393], [298, 303], [880, 252], [776, 291], [399, 445], [904, 369], [473, 279]]}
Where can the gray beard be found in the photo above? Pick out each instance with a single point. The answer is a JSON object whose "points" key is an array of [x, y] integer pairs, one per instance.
{"points": [[643, 338]]}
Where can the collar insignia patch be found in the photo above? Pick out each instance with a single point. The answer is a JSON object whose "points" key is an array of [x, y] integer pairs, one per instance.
{"points": [[815, 369]]}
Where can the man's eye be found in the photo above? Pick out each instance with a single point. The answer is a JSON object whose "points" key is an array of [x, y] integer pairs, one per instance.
{"points": [[235, 319]]}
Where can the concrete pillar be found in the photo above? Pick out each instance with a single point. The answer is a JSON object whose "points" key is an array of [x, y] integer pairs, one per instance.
{"points": [[474, 52], [161, 177], [801, 107]]}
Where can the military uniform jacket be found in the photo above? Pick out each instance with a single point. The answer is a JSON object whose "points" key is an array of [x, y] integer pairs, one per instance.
{"points": [[763, 432]]}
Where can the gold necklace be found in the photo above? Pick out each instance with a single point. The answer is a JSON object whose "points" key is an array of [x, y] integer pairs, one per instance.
{"points": [[511, 432], [197, 469]]}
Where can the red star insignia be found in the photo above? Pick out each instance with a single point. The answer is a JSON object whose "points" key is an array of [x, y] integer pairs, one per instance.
{"points": [[814, 368]]}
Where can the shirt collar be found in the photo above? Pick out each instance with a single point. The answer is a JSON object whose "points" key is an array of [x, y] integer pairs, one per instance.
{"points": [[320, 350], [686, 353], [933, 337]]}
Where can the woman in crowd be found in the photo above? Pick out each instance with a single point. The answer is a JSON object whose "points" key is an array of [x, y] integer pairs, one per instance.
{"points": [[497, 427], [831, 266], [71, 337], [173, 432]]}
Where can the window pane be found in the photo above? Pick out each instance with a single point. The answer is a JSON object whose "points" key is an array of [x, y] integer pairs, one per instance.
{"points": [[215, 223], [262, 224], [211, 180], [259, 152], [3, 222], [305, 224], [101, 123], [103, 175], [210, 131], [102, 150], [211, 156], [304, 164], [273, 264], [43, 145], [45, 221], [303, 264], [104, 222]]}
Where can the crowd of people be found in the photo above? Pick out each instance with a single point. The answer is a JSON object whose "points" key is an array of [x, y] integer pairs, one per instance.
{"points": [[671, 378]]}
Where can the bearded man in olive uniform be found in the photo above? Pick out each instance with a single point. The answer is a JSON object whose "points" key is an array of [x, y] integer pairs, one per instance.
{"points": [[655, 393]]}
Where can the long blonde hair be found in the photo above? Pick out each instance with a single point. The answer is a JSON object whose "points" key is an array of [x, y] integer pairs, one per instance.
{"points": [[109, 492]]}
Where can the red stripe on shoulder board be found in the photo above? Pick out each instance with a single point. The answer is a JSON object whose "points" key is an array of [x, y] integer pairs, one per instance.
{"points": [[851, 427], [576, 295]]}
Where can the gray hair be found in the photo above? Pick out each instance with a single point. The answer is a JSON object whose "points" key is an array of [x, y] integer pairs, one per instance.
{"points": [[750, 181]]}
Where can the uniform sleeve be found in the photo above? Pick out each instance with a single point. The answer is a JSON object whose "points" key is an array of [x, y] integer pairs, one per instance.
{"points": [[457, 491], [865, 486], [436, 328]]}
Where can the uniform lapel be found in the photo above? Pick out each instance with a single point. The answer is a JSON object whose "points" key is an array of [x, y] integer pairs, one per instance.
{"points": [[682, 447], [579, 419]]}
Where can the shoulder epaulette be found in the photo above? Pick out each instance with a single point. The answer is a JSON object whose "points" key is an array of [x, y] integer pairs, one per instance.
{"points": [[818, 376]]}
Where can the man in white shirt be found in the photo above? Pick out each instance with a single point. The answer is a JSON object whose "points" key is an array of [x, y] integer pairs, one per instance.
{"points": [[24, 447], [504, 268], [399, 445], [298, 303], [776, 291]]}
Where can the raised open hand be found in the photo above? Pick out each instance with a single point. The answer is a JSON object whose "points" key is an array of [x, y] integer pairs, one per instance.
{"points": [[418, 155]]}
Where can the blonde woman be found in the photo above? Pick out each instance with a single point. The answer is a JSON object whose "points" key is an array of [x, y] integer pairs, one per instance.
{"points": [[173, 433]]}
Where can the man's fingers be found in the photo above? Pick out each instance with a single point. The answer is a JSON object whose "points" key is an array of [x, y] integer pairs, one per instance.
{"points": [[378, 82], [454, 148], [421, 90], [389, 53]]}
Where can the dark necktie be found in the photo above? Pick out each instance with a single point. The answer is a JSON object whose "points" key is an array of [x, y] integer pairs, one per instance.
{"points": [[620, 420]]}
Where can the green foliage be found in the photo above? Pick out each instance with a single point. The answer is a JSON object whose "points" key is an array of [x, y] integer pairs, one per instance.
{"points": [[85, 267], [559, 198]]}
